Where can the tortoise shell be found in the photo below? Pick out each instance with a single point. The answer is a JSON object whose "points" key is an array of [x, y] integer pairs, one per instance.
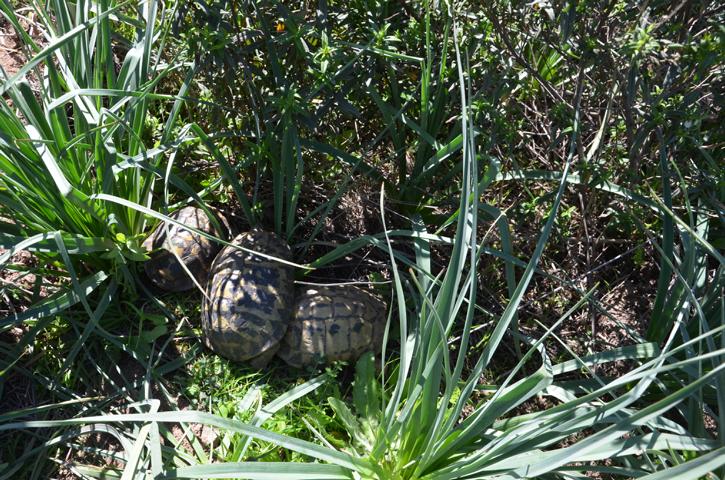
{"points": [[195, 251], [248, 303], [332, 323]]}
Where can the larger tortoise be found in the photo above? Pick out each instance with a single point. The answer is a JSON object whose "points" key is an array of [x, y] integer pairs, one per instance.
{"points": [[248, 301], [332, 323], [195, 251]]}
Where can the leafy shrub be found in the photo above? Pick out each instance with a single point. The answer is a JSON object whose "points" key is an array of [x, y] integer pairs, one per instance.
{"points": [[602, 105]]}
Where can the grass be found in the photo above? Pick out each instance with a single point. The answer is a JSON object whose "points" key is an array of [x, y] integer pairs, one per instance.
{"points": [[513, 168], [83, 134]]}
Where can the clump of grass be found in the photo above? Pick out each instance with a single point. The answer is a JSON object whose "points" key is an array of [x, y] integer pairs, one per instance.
{"points": [[410, 422], [79, 162], [547, 104]]}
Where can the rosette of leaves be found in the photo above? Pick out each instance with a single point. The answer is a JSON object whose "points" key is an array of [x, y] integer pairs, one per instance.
{"points": [[84, 135]]}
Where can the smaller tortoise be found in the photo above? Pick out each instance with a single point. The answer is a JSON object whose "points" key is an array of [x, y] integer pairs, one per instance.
{"points": [[332, 323], [195, 251], [248, 302]]}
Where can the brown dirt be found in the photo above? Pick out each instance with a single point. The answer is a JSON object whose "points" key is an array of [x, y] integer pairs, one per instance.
{"points": [[11, 57], [24, 281], [18, 284], [205, 435]]}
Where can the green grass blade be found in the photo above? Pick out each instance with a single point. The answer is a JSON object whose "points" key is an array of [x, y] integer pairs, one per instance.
{"points": [[351, 160], [56, 44], [267, 411], [55, 303], [162, 217], [692, 469], [229, 173], [188, 416], [262, 471]]}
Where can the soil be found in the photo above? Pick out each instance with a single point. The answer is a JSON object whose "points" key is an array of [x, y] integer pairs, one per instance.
{"points": [[11, 57], [19, 285]]}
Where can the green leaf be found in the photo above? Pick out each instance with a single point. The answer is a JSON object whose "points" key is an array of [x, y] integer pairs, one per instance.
{"points": [[55, 303], [190, 416], [348, 419], [366, 394], [261, 471], [692, 469]]}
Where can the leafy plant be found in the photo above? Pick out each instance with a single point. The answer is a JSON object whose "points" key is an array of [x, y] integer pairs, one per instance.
{"points": [[421, 420], [297, 76], [74, 147], [616, 105], [255, 52], [81, 165], [83, 153]]}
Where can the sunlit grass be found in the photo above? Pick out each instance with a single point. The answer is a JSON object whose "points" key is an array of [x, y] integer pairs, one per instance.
{"points": [[493, 150]]}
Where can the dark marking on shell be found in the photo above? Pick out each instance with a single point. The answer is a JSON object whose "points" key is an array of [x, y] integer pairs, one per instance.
{"points": [[249, 300], [332, 323], [195, 251]]}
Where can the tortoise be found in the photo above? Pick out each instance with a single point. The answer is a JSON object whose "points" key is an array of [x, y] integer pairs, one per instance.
{"points": [[332, 323], [248, 302], [195, 251]]}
